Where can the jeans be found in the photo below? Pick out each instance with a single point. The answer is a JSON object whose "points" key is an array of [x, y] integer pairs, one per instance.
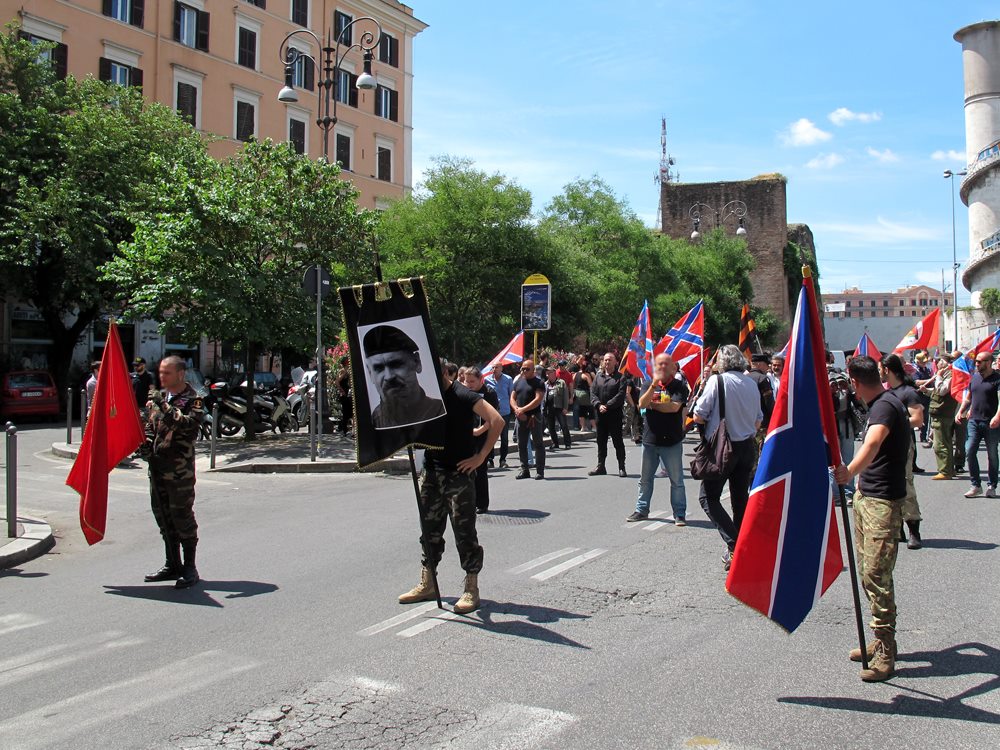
{"points": [[739, 476], [536, 439], [979, 430], [672, 457]]}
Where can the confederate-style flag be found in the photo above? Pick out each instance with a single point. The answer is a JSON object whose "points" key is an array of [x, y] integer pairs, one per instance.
{"points": [[114, 431], [923, 335], [638, 358], [510, 354], [788, 550], [685, 343], [867, 348], [963, 368], [989, 344]]}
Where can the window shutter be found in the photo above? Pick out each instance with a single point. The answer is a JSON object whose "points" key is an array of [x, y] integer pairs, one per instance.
{"points": [[104, 69], [394, 52], [106, 7], [378, 101], [135, 77], [394, 106], [309, 75], [60, 57], [177, 21], [353, 90], [300, 12], [340, 22], [202, 42], [138, 12]]}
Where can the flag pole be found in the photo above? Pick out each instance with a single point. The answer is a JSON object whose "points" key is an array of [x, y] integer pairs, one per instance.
{"points": [[853, 568]]}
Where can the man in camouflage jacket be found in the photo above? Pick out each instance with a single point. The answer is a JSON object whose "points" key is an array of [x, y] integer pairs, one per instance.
{"points": [[175, 415]]}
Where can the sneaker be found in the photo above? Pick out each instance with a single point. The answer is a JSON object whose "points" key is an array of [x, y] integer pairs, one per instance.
{"points": [[489, 464], [622, 473], [523, 474], [727, 560], [679, 521], [503, 465], [637, 516], [540, 475], [991, 491], [974, 491], [941, 475], [599, 471]]}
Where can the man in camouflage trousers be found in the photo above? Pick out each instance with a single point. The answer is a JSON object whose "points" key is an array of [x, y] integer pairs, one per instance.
{"points": [[175, 416], [448, 489], [880, 464]]}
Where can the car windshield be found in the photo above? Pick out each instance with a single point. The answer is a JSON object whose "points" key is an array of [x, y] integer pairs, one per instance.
{"points": [[30, 380], [195, 378]]}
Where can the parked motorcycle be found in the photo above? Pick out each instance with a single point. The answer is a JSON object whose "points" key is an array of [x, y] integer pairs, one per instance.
{"points": [[270, 410], [297, 392]]}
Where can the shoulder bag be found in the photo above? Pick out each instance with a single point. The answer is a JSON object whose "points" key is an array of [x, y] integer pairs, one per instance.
{"points": [[713, 456]]}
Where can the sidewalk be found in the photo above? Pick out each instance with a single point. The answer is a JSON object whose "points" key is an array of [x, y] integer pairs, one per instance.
{"points": [[34, 538]]}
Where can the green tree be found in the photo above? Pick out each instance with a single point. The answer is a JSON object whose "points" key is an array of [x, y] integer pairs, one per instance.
{"points": [[470, 234], [221, 252], [75, 158], [989, 300]]}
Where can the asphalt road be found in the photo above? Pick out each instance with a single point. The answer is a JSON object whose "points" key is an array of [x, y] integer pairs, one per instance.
{"points": [[594, 633]]}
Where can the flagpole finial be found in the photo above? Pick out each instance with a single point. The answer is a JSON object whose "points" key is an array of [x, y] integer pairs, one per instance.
{"points": [[806, 271]]}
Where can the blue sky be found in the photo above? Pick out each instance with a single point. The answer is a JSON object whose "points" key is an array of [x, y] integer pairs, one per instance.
{"points": [[859, 104]]}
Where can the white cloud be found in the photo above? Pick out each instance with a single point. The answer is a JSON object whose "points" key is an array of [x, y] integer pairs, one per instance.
{"points": [[803, 132], [882, 232], [931, 278], [843, 115], [949, 155], [825, 161], [885, 156]]}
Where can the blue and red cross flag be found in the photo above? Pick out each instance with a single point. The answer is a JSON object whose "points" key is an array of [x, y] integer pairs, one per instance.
{"points": [[963, 367], [510, 354], [866, 348], [638, 358], [788, 550], [685, 342]]}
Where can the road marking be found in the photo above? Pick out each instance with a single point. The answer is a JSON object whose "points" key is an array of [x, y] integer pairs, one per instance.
{"points": [[32, 663], [542, 560], [427, 624], [510, 726], [571, 563], [652, 516], [52, 725], [394, 621], [18, 621]]}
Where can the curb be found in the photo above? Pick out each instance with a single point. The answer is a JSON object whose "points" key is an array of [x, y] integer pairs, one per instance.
{"points": [[390, 466], [64, 451], [35, 540]]}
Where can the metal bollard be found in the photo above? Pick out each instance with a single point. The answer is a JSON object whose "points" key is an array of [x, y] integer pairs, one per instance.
{"points": [[69, 416], [84, 405], [312, 426], [11, 480], [215, 434]]}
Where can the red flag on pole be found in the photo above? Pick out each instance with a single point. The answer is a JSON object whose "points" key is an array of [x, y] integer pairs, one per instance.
{"points": [[510, 354], [114, 431], [923, 335]]}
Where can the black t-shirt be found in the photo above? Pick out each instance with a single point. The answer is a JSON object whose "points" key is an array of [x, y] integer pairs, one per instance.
{"points": [[983, 392], [885, 476], [907, 394], [141, 383], [659, 427], [460, 420], [525, 390]]}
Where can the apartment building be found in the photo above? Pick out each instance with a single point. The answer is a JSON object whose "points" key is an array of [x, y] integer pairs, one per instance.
{"points": [[909, 302], [219, 64]]}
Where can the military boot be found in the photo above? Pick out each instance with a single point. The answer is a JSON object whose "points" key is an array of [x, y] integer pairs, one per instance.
{"points": [[469, 600], [423, 591], [171, 569], [855, 654], [914, 542], [883, 662], [189, 574]]}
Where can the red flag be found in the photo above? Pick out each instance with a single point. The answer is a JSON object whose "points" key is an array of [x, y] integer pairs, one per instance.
{"points": [[114, 431], [684, 342], [510, 354], [638, 359], [923, 335], [867, 348]]}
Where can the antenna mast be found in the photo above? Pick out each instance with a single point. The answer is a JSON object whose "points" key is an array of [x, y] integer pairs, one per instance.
{"points": [[664, 174]]}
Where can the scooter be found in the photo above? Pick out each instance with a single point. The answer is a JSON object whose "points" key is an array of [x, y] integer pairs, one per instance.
{"points": [[297, 394]]}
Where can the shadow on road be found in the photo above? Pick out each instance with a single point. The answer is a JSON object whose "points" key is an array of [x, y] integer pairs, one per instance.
{"points": [[197, 595], [956, 661], [968, 544], [18, 573], [527, 627]]}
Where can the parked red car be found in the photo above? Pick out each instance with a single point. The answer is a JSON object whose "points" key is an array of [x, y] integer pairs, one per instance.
{"points": [[29, 393]]}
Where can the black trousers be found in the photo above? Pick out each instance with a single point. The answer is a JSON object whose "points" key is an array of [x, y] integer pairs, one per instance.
{"points": [[554, 417], [537, 441], [504, 434], [609, 424], [739, 476]]}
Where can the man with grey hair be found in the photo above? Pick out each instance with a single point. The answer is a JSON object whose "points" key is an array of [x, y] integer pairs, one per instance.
{"points": [[743, 419]]}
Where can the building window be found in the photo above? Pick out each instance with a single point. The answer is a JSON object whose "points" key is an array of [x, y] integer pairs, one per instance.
{"points": [[885, 303], [304, 72], [187, 102], [340, 22], [383, 164], [246, 52], [126, 11], [190, 26], [297, 135], [388, 50], [914, 314], [300, 12], [347, 88], [386, 103], [847, 314], [902, 303], [873, 303], [246, 120], [262, 4], [116, 72], [836, 314], [343, 148], [58, 55], [847, 304]]}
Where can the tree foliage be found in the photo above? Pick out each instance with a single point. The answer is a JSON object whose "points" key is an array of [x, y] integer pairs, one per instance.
{"points": [[989, 300]]}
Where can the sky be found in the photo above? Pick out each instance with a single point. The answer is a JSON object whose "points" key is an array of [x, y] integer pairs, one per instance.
{"points": [[859, 105]]}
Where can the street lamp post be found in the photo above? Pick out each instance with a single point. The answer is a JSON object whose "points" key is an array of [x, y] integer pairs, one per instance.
{"points": [[737, 209], [333, 56], [949, 175]]}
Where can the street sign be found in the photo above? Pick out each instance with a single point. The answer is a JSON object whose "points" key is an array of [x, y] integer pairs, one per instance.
{"points": [[309, 282], [536, 303]]}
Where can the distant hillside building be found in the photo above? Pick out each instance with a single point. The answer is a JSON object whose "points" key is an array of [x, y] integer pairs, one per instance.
{"points": [[887, 316]]}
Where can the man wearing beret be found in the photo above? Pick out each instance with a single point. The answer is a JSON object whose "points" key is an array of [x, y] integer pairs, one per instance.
{"points": [[393, 361]]}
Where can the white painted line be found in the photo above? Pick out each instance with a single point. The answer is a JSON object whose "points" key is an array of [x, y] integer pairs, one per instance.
{"points": [[428, 624], [32, 663], [510, 726], [19, 621], [652, 516], [542, 560], [571, 563], [659, 523], [394, 621]]}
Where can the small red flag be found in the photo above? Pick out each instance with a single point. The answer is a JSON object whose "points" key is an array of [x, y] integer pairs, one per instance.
{"points": [[923, 335], [114, 431]]}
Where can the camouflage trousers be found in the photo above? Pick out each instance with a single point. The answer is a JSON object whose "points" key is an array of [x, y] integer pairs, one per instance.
{"points": [[172, 501], [876, 534], [911, 508], [445, 494], [943, 428]]}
